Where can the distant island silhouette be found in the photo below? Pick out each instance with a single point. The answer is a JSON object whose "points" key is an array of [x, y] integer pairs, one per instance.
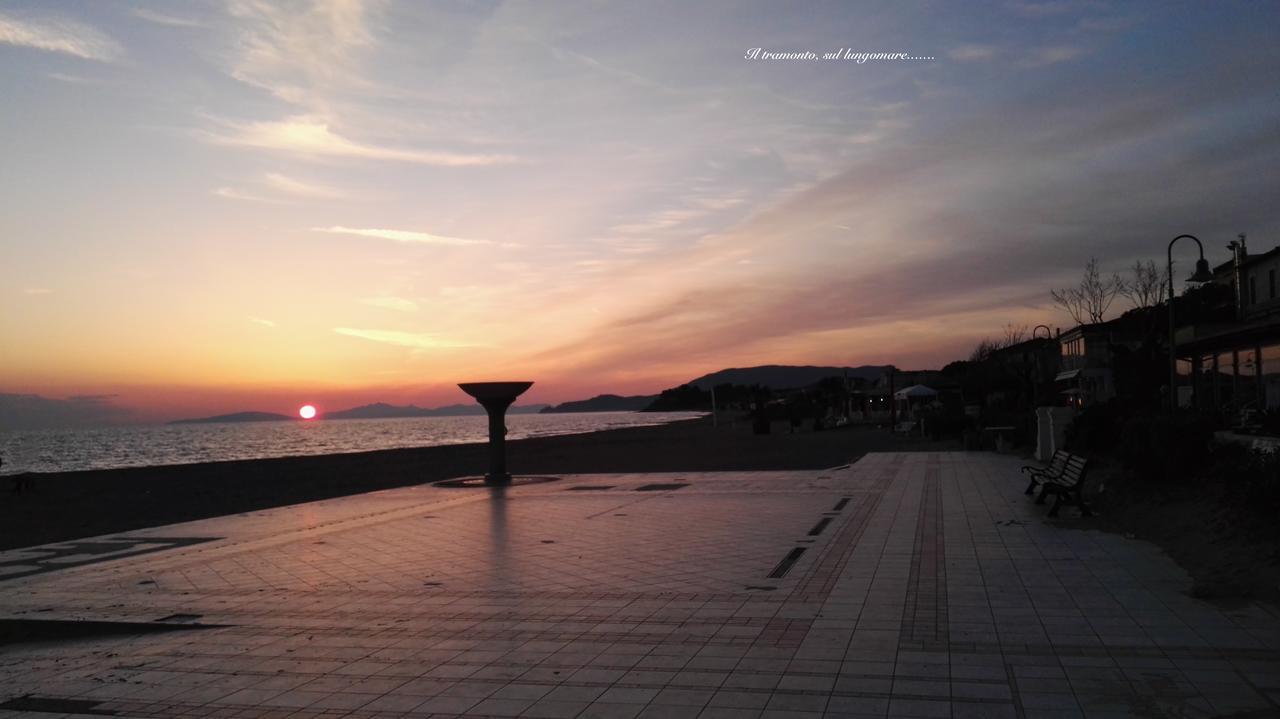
{"points": [[381, 410], [603, 403], [377, 410], [775, 376], [771, 376]]}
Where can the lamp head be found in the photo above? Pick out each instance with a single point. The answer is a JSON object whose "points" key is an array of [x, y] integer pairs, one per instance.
{"points": [[1202, 273]]}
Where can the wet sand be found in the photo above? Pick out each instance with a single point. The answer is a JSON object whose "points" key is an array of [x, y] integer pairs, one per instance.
{"points": [[71, 505]]}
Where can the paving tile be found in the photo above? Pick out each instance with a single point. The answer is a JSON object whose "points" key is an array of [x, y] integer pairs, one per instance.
{"points": [[566, 710], [936, 590], [740, 699]]}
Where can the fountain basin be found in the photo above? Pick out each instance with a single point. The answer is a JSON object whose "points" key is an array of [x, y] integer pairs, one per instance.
{"points": [[496, 397]]}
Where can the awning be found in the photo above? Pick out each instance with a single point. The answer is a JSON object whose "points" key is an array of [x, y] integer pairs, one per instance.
{"points": [[1069, 374], [915, 390]]}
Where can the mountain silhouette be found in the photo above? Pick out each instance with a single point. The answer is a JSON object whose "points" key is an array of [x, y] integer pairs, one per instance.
{"points": [[784, 376], [604, 403]]}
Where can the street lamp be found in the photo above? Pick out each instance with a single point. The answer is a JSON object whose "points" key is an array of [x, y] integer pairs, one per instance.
{"points": [[1202, 274]]}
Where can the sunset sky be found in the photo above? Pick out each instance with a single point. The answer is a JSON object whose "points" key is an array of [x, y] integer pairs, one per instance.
{"points": [[232, 205]]}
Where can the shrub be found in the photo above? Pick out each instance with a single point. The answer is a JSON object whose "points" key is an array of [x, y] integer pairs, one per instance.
{"points": [[1096, 429], [1250, 483], [1170, 448], [941, 426]]}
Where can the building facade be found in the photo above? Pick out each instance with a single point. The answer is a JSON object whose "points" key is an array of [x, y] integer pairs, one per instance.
{"points": [[1233, 367]]}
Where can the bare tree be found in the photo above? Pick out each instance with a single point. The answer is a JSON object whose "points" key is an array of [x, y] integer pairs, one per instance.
{"points": [[1088, 301], [1013, 334], [984, 349], [1145, 284]]}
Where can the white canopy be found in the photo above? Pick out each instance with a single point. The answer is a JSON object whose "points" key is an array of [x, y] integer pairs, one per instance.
{"points": [[915, 390]]}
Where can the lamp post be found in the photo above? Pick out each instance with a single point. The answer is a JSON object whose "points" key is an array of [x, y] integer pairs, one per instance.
{"points": [[1202, 274]]}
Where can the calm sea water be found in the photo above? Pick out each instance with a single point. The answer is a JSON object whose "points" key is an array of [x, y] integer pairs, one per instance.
{"points": [[61, 450]]}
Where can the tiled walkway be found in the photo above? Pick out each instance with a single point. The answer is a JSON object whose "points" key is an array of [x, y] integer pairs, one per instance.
{"points": [[907, 585]]}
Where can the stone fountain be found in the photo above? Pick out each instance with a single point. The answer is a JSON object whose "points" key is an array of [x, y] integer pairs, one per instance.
{"points": [[496, 397]]}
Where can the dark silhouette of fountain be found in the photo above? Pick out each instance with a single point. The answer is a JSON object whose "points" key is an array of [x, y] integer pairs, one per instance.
{"points": [[496, 397]]}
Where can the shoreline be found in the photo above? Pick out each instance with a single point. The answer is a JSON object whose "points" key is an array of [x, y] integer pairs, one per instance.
{"points": [[70, 505], [132, 450]]}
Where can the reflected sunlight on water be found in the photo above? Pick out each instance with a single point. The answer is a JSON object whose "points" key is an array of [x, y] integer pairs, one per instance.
{"points": [[59, 450]]}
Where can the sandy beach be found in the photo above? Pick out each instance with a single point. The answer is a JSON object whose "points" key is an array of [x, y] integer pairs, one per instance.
{"points": [[70, 505]]}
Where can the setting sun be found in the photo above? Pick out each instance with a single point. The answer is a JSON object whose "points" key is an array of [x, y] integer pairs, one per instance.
{"points": [[307, 412]]}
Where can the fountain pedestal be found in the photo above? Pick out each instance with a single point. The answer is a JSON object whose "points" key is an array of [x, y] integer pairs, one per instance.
{"points": [[496, 397]]}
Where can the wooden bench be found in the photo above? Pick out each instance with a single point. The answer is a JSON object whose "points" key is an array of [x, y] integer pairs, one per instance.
{"points": [[1056, 463], [1063, 478]]}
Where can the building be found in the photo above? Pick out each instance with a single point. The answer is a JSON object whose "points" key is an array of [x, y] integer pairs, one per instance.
{"points": [[1089, 355], [1021, 376], [1231, 364]]}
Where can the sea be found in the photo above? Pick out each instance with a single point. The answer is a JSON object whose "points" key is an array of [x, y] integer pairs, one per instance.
{"points": [[66, 450]]}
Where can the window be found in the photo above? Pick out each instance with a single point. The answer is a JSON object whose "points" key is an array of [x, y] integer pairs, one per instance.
{"points": [[1248, 392], [1226, 380], [1271, 376]]}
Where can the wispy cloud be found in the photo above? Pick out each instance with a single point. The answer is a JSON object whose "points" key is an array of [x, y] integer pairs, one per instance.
{"points": [[972, 53], [406, 236], [660, 221], [231, 193], [161, 18], [303, 55], [278, 189], [37, 291], [59, 35], [419, 341], [292, 186], [1114, 23], [1053, 55], [71, 79], [309, 135], [392, 303], [261, 321]]}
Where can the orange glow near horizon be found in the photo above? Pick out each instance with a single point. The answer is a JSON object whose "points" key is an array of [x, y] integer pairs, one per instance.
{"points": [[361, 202]]}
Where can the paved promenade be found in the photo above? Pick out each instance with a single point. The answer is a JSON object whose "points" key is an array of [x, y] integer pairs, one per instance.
{"points": [[907, 585]]}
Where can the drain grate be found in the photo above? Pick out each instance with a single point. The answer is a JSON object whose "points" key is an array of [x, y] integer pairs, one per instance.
{"points": [[591, 488], [660, 487], [787, 563], [841, 504], [821, 525], [49, 705]]}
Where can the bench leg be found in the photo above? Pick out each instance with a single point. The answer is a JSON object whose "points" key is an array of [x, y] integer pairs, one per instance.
{"points": [[1084, 508], [1044, 492], [1031, 487], [1057, 503]]}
